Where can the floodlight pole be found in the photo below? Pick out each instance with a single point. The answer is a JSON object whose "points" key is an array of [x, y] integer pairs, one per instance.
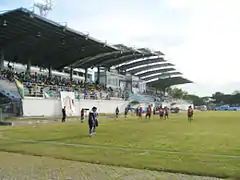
{"points": [[45, 7]]}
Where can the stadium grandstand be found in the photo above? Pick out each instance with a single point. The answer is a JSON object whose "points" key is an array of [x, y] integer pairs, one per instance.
{"points": [[43, 58]]}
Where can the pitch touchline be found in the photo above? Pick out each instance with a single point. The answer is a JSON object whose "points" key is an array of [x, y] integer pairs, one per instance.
{"points": [[127, 149]]}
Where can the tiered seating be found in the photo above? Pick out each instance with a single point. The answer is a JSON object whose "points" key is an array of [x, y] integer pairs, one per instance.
{"points": [[40, 85]]}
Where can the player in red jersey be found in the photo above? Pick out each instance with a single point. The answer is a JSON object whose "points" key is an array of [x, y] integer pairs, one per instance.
{"points": [[161, 112], [165, 112], [148, 113]]}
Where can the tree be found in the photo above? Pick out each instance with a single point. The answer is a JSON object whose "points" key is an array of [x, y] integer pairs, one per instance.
{"points": [[230, 99], [217, 98], [169, 91], [195, 99], [177, 93], [236, 92]]}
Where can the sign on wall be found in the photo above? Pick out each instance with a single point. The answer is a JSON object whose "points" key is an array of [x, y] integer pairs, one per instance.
{"points": [[68, 100]]}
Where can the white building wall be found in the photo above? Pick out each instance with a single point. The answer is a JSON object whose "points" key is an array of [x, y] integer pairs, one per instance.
{"points": [[52, 107]]}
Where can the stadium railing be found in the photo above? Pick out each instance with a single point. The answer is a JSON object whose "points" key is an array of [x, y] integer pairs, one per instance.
{"points": [[10, 110]]}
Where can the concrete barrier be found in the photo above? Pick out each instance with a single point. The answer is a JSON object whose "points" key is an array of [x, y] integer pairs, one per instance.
{"points": [[52, 107]]}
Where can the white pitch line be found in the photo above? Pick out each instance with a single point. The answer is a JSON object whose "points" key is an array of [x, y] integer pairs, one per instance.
{"points": [[126, 149]]}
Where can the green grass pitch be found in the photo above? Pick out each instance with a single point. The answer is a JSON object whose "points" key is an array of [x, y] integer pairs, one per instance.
{"points": [[210, 145]]}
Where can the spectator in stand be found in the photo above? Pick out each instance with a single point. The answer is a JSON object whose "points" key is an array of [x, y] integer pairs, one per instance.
{"points": [[85, 93], [38, 83]]}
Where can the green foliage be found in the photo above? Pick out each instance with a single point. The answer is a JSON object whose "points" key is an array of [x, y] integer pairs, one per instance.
{"points": [[231, 99], [132, 103], [218, 98]]}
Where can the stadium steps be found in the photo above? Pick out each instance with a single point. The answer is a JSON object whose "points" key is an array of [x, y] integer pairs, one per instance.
{"points": [[9, 89]]}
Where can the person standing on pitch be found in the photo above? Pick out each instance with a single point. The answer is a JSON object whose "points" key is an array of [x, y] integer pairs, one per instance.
{"points": [[148, 113], [190, 113], [165, 112], [161, 112], [116, 113], [126, 112], [140, 111], [82, 115], [64, 114], [92, 121]]}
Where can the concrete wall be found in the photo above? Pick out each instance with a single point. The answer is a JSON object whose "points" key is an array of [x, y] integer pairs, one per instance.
{"points": [[52, 107]]}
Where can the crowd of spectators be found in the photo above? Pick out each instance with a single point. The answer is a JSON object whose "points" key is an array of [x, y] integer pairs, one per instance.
{"points": [[38, 84]]}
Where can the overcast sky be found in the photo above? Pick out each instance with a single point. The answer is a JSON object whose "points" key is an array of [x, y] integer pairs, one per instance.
{"points": [[202, 37]]}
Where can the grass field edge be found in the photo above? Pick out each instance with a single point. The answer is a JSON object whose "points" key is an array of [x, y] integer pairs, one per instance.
{"points": [[22, 152], [162, 151]]}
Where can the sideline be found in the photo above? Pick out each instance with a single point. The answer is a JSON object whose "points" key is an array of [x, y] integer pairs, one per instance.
{"points": [[147, 151]]}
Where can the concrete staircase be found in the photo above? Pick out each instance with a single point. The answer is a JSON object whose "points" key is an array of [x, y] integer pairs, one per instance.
{"points": [[9, 89]]}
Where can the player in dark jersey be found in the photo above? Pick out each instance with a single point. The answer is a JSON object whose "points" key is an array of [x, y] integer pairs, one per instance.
{"points": [[140, 112], [92, 121], [64, 114], [148, 113], [117, 113], [190, 114], [126, 112], [82, 115]]}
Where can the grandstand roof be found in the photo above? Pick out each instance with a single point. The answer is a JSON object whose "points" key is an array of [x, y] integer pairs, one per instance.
{"points": [[133, 64], [159, 76], [150, 66], [155, 71], [123, 55], [25, 35], [166, 82]]}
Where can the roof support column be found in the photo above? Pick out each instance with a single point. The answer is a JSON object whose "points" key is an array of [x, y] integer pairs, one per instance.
{"points": [[164, 90], [86, 74], [1, 59], [98, 75], [71, 73], [105, 77], [131, 83], [49, 70], [29, 66]]}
